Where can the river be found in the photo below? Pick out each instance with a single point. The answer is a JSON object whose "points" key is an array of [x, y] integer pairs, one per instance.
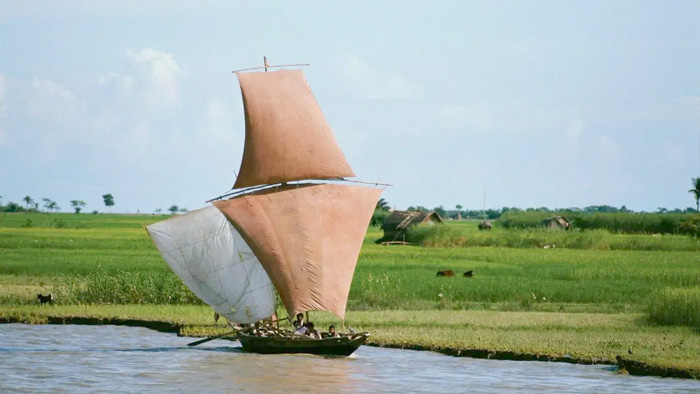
{"points": [[87, 359]]}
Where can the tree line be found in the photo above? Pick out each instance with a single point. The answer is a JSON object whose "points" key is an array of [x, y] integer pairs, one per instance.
{"points": [[49, 205]]}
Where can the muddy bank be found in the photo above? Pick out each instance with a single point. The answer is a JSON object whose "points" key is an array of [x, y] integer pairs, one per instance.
{"points": [[643, 369], [625, 365], [154, 325], [496, 354]]}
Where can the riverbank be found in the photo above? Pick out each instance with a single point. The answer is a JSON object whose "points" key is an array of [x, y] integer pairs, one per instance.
{"points": [[572, 305], [585, 338]]}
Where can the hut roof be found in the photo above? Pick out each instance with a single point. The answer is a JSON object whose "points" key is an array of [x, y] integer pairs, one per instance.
{"points": [[561, 221], [401, 220]]}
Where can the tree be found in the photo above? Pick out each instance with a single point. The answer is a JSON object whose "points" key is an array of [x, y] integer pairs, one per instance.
{"points": [[109, 201], [696, 192], [459, 211], [48, 204], [77, 205], [28, 200], [158, 211], [173, 209], [382, 204]]}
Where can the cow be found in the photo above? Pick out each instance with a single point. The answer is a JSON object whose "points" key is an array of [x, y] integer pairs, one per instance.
{"points": [[447, 273], [469, 274]]}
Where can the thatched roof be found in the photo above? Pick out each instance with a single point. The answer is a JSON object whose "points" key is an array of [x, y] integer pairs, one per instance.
{"points": [[402, 220], [557, 222]]}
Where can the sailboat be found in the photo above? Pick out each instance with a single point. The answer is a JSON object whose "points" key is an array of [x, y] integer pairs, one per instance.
{"points": [[293, 223]]}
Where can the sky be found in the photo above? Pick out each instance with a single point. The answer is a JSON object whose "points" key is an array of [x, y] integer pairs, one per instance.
{"points": [[538, 103]]}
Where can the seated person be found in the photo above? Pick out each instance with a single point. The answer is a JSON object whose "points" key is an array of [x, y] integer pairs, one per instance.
{"points": [[299, 322], [331, 332], [311, 331], [303, 330]]}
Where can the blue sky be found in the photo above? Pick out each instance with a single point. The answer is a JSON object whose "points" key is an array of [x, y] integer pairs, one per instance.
{"points": [[542, 103]]}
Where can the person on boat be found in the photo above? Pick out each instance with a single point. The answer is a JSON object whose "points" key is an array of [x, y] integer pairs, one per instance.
{"points": [[299, 322], [311, 331], [331, 332]]}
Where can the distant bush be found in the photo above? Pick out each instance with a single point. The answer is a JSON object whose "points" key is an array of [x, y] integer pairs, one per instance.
{"points": [[690, 227], [378, 217], [435, 235], [675, 307], [631, 223], [28, 223], [124, 288], [541, 237]]}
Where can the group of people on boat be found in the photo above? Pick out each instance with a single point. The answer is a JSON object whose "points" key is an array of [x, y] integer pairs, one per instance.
{"points": [[308, 329], [302, 328]]}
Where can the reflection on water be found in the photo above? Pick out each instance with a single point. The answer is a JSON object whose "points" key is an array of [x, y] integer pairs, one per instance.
{"points": [[68, 358]]}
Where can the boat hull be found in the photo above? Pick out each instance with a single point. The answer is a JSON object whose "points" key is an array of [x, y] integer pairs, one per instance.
{"points": [[342, 346]]}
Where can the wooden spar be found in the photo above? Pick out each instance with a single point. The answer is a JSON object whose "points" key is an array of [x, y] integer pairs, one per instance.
{"points": [[265, 68], [211, 338], [234, 193]]}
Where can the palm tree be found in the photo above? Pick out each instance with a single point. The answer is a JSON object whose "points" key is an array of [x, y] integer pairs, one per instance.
{"points": [[459, 211], [28, 200], [382, 204], [696, 192]]}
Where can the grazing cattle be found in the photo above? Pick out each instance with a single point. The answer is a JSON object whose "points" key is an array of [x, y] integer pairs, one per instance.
{"points": [[448, 273], [469, 274], [43, 299]]}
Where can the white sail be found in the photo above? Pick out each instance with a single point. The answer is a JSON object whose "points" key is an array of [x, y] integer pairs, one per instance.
{"points": [[209, 255]]}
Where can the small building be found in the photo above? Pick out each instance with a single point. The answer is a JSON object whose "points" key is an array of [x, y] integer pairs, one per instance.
{"points": [[398, 222], [485, 225], [557, 222]]}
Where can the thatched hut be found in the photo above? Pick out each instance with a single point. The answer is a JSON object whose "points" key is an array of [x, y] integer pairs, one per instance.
{"points": [[398, 222], [485, 225], [557, 222]]}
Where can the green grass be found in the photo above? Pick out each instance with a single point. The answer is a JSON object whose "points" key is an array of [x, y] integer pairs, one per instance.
{"points": [[676, 307], [457, 235], [587, 302]]}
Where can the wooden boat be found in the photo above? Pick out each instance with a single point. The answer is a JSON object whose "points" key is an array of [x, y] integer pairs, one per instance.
{"points": [[292, 223], [344, 345]]}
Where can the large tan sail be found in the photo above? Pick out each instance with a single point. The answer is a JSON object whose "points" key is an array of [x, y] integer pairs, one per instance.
{"points": [[307, 238], [287, 137]]}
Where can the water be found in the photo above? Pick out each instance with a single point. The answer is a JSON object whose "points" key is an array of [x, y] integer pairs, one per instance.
{"points": [[75, 359]]}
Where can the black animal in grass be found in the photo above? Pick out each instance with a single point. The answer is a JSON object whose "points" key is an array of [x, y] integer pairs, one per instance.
{"points": [[447, 273], [450, 273], [44, 299]]}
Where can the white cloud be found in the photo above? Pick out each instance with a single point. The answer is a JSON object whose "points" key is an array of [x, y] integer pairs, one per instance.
{"points": [[50, 100], [373, 84], [123, 83], [160, 73]]}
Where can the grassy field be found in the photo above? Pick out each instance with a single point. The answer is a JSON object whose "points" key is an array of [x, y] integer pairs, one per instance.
{"points": [[587, 302]]}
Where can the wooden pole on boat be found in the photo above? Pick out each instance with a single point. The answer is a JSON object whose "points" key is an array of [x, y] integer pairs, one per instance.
{"points": [[201, 341]]}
